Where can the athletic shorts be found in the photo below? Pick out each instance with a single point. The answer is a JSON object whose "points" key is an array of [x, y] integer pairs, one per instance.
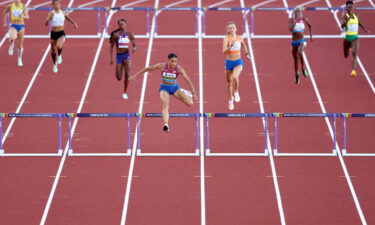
{"points": [[121, 57], [351, 38], [18, 27], [298, 43], [57, 35], [231, 64], [170, 89]]}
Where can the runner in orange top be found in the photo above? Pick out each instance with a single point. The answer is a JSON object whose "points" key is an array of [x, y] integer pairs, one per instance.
{"points": [[233, 64]]}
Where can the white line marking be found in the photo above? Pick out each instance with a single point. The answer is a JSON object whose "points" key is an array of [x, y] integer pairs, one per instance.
{"points": [[372, 3], [263, 3], [89, 3], [219, 3], [58, 174], [307, 3], [331, 132], [3, 3], [42, 4], [350, 184], [358, 59], [140, 109], [260, 100], [201, 119]]}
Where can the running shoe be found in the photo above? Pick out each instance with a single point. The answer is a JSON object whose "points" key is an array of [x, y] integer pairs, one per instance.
{"points": [[305, 73], [231, 105], [59, 59], [297, 79], [124, 96], [10, 52], [354, 73], [20, 62], [55, 70], [188, 93], [237, 97], [166, 128]]}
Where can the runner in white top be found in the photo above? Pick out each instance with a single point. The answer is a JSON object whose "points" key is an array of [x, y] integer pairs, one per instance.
{"points": [[57, 18]]}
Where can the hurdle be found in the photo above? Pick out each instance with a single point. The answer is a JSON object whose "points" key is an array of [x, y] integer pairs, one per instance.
{"points": [[353, 115], [59, 117], [196, 116], [305, 115], [237, 115], [98, 115]]}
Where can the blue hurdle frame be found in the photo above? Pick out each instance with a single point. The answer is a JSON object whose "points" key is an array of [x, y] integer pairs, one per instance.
{"points": [[264, 116], [308, 115], [196, 116], [98, 115], [353, 115], [59, 117]]}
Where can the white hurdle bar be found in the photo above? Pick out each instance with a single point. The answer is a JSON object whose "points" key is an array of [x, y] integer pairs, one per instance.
{"points": [[237, 115], [354, 115], [310, 115], [195, 115], [99, 115], [59, 116]]}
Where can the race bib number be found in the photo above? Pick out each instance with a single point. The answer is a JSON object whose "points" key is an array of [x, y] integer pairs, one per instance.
{"points": [[353, 28], [236, 46], [17, 13]]}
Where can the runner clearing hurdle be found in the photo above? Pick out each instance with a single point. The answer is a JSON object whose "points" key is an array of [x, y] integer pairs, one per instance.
{"points": [[169, 86]]}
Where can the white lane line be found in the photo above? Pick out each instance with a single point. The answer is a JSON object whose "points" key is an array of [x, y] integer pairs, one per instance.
{"points": [[42, 4], [140, 109], [89, 3], [358, 59], [219, 3], [260, 100], [372, 3], [201, 119], [59, 171], [3, 3], [354, 195], [263, 3], [307, 3], [343, 165]]}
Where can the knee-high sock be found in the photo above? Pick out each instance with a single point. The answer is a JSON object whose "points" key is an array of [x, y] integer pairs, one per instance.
{"points": [[53, 57]]}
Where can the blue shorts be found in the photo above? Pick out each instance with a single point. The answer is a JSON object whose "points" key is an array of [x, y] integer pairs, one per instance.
{"points": [[170, 89], [231, 64], [298, 43], [18, 27], [121, 57]]}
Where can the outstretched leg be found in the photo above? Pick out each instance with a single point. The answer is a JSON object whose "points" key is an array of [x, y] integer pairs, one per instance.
{"points": [[355, 47], [164, 97]]}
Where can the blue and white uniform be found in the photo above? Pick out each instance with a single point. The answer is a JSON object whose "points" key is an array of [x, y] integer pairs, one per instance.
{"points": [[299, 28]]}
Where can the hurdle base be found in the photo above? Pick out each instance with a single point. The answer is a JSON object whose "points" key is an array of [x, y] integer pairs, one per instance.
{"points": [[208, 153], [1, 152], [345, 153], [71, 153], [334, 153], [139, 153]]}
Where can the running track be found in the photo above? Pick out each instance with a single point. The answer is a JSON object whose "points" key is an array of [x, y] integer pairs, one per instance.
{"points": [[169, 190]]}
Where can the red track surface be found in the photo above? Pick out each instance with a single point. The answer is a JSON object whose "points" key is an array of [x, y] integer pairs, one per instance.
{"points": [[167, 190]]}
